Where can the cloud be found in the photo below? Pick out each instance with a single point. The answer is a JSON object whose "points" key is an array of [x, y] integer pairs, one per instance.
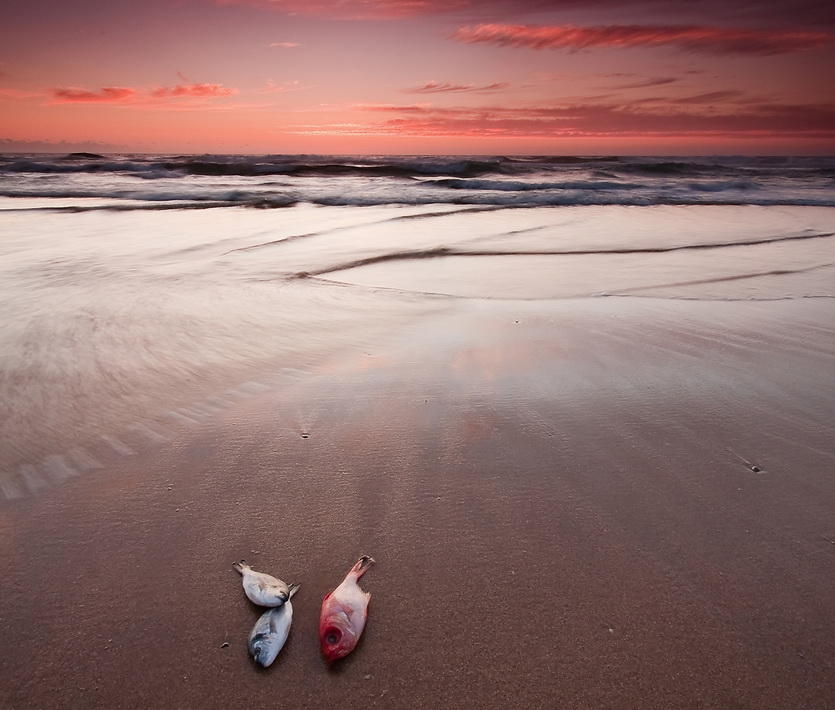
{"points": [[690, 38], [399, 108], [193, 90], [708, 98], [646, 83], [130, 95], [284, 45], [109, 94], [777, 13], [272, 88], [355, 9], [17, 94], [435, 87], [612, 120]]}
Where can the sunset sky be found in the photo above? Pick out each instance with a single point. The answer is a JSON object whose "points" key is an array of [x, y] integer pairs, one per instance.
{"points": [[419, 76]]}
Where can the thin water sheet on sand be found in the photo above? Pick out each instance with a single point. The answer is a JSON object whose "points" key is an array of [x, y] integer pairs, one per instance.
{"points": [[116, 320], [561, 497]]}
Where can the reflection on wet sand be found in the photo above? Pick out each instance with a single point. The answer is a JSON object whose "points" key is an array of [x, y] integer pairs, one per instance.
{"points": [[560, 491], [575, 474]]}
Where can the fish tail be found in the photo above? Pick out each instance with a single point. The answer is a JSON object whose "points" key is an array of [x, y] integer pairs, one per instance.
{"points": [[362, 565], [240, 566], [293, 588]]}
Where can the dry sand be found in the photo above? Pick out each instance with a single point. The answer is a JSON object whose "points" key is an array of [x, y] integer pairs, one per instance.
{"points": [[561, 499]]}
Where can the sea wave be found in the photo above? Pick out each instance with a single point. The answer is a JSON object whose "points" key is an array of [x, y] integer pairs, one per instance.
{"points": [[250, 166], [521, 186], [524, 181], [155, 201], [404, 166]]}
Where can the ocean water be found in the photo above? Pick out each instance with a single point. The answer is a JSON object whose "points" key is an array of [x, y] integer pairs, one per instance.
{"points": [[139, 294], [281, 180]]}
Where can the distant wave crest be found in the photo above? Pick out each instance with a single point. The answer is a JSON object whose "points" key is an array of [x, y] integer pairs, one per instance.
{"points": [[524, 181]]}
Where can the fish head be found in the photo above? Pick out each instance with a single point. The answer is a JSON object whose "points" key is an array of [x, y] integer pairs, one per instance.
{"points": [[263, 648], [337, 637]]}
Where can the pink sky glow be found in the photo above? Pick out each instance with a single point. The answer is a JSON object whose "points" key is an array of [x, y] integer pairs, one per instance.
{"points": [[419, 76]]}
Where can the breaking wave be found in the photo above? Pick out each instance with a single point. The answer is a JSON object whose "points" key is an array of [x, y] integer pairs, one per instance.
{"points": [[282, 180]]}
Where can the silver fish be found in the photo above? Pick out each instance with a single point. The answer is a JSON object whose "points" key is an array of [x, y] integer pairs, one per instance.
{"points": [[270, 632], [263, 589]]}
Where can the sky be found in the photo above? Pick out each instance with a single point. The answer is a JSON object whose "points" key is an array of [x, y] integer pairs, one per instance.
{"points": [[541, 77]]}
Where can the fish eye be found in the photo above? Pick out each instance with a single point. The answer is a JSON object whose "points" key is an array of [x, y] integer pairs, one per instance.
{"points": [[332, 638]]}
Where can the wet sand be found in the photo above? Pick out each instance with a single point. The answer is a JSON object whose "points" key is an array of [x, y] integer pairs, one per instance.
{"points": [[600, 503]]}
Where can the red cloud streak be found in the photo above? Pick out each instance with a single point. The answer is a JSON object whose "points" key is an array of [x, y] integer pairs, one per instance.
{"points": [[126, 94], [109, 94], [436, 87], [787, 121], [776, 12], [692, 38], [198, 90]]}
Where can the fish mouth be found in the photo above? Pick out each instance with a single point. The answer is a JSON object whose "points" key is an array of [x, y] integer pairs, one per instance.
{"points": [[262, 657], [332, 636], [333, 643]]}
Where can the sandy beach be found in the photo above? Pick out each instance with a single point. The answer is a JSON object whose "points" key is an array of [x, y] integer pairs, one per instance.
{"points": [[590, 503], [530, 301]]}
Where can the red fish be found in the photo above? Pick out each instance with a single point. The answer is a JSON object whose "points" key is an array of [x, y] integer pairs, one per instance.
{"points": [[344, 612]]}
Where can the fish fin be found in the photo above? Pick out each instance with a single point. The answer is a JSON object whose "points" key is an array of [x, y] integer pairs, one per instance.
{"points": [[240, 566], [293, 588], [362, 565]]}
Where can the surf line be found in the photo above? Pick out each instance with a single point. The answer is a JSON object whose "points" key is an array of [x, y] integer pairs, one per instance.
{"points": [[437, 252], [721, 279]]}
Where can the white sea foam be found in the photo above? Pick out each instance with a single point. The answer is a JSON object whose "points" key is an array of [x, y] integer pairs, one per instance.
{"points": [[415, 180]]}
